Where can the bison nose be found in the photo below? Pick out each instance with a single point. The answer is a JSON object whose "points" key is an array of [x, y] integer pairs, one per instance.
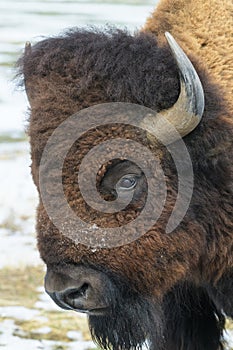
{"points": [[72, 298], [78, 288]]}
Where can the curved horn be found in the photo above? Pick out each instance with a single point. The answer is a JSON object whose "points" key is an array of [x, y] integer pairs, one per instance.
{"points": [[193, 100], [187, 112]]}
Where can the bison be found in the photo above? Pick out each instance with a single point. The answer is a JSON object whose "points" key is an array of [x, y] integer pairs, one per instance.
{"points": [[171, 290]]}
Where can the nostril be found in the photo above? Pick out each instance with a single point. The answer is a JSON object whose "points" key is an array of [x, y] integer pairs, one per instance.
{"points": [[81, 289], [74, 294], [74, 298]]}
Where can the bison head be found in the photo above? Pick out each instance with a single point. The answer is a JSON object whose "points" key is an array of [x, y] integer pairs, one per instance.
{"points": [[138, 291]]}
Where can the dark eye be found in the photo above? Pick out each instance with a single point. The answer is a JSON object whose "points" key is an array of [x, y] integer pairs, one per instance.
{"points": [[126, 183]]}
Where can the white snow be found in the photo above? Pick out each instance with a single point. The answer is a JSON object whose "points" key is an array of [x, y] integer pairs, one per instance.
{"points": [[10, 341], [46, 303], [18, 201], [74, 335], [228, 336], [43, 330], [18, 312]]}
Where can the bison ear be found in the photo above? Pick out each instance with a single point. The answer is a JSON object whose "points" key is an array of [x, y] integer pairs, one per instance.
{"points": [[27, 54], [186, 113]]}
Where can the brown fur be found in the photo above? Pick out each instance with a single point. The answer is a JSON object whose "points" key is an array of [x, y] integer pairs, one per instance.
{"points": [[204, 29], [82, 68]]}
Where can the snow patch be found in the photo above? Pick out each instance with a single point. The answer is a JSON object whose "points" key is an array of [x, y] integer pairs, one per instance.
{"points": [[74, 335], [10, 341], [46, 303], [18, 312]]}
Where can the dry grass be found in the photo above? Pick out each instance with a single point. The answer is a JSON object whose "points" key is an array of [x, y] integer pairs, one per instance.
{"points": [[19, 287]]}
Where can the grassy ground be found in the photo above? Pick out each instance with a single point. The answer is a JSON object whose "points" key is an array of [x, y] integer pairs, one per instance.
{"points": [[7, 138], [19, 287]]}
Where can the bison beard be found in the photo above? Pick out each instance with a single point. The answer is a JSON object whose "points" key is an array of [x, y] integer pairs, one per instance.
{"points": [[193, 321], [186, 318], [129, 328], [131, 321]]}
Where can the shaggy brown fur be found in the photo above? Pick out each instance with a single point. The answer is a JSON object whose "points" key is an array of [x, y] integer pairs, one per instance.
{"points": [[204, 28], [187, 272]]}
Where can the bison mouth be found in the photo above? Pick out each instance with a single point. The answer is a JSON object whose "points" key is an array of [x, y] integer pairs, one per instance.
{"points": [[56, 297], [119, 316], [130, 320]]}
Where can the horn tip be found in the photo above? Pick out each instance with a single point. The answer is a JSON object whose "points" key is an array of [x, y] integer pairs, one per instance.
{"points": [[167, 34], [170, 39], [28, 47]]}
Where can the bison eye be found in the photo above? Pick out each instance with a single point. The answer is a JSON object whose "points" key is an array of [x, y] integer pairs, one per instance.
{"points": [[126, 183]]}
